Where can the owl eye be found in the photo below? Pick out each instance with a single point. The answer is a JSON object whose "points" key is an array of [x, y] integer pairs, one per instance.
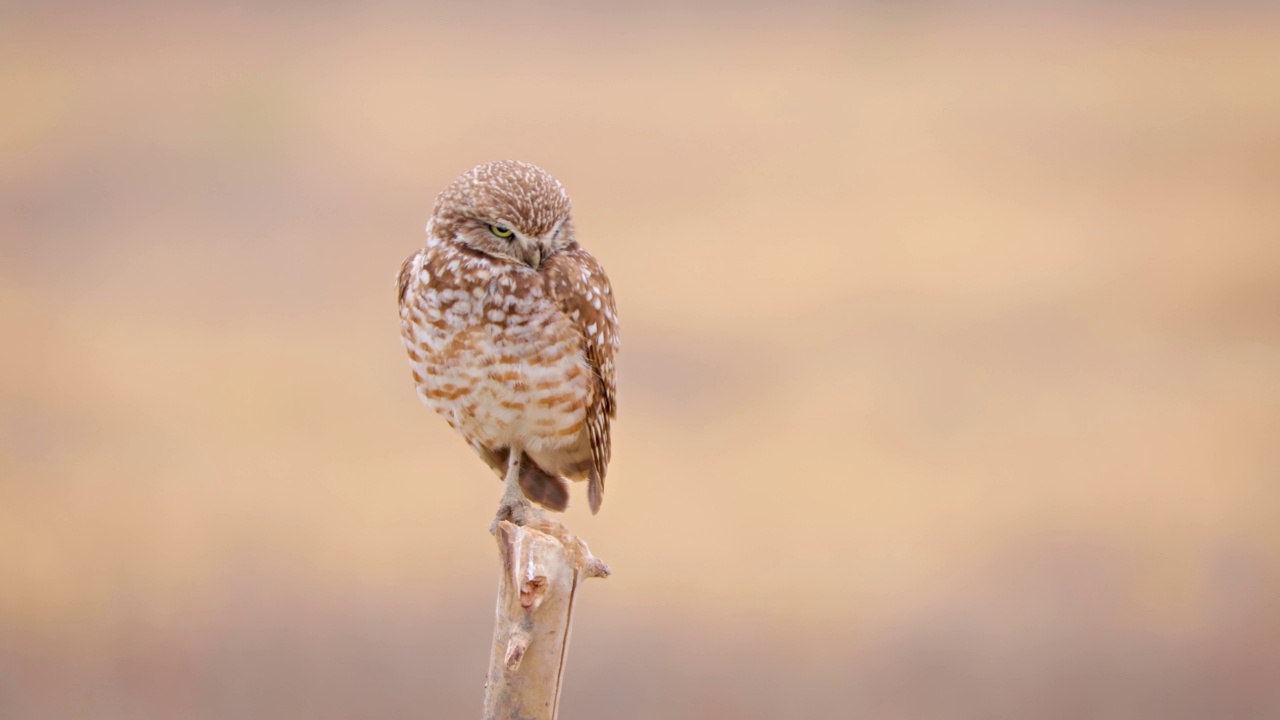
{"points": [[501, 232]]}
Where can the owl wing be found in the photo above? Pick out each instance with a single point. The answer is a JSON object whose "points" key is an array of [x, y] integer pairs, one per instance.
{"points": [[579, 284], [406, 274]]}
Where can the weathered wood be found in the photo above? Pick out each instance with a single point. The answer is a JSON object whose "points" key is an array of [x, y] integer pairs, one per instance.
{"points": [[542, 567]]}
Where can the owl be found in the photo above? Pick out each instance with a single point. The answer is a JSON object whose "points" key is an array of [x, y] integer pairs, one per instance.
{"points": [[512, 330]]}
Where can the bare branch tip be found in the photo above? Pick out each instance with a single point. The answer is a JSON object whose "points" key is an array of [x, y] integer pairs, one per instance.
{"points": [[595, 567]]}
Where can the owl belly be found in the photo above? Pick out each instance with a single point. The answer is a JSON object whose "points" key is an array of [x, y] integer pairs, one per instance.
{"points": [[501, 385]]}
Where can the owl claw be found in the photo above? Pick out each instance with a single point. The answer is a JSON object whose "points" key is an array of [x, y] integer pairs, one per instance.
{"points": [[515, 509]]}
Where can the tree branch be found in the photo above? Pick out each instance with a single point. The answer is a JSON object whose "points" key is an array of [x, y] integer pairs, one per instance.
{"points": [[542, 566]]}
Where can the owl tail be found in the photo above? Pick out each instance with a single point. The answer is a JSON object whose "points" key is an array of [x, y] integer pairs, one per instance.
{"points": [[547, 490], [595, 491]]}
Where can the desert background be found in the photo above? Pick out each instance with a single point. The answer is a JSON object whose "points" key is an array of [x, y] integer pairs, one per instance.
{"points": [[950, 383]]}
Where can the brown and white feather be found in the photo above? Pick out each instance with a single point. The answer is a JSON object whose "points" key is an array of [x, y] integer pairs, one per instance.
{"points": [[513, 342]]}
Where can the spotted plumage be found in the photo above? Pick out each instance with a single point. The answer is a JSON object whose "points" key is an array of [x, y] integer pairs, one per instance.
{"points": [[511, 330]]}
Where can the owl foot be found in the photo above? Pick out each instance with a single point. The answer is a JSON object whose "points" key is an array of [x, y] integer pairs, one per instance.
{"points": [[516, 509]]}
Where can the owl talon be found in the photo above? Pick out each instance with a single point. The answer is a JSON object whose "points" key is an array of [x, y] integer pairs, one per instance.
{"points": [[517, 510]]}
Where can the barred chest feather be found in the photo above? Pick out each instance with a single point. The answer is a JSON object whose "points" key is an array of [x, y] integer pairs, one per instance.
{"points": [[492, 352]]}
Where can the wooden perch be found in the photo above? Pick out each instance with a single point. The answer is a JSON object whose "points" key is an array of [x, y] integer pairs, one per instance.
{"points": [[542, 565]]}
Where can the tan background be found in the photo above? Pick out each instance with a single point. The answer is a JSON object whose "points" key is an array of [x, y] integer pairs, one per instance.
{"points": [[950, 386]]}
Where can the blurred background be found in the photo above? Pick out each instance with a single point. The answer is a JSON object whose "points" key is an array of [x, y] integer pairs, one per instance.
{"points": [[950, 383]]}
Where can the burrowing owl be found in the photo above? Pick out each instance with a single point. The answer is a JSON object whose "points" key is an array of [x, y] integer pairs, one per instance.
{"points": [[511, 330]]}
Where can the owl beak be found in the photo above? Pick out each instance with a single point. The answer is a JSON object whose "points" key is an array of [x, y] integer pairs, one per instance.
{"points": [[535, 257]]}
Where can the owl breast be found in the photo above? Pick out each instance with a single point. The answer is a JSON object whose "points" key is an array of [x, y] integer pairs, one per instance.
{"points": [[493, 355]]}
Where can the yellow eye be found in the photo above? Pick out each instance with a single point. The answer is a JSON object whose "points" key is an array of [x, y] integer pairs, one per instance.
{"points": [[501, 232]]}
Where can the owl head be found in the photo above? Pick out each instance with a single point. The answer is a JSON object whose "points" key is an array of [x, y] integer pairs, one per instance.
{"points": [[508, 210]]}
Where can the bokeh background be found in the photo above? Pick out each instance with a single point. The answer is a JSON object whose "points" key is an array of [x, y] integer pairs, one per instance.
{"points": [[950, 384]]}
